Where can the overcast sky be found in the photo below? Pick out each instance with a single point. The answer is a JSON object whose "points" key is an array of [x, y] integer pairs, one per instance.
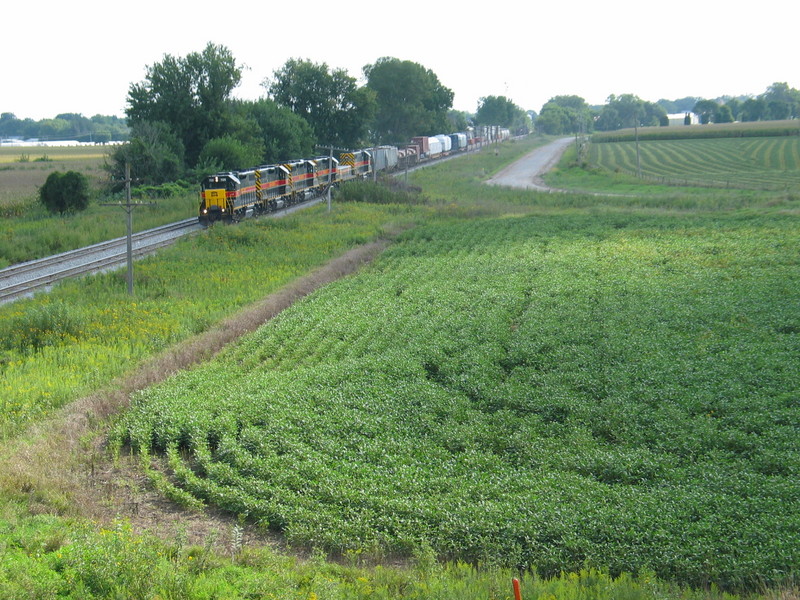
{"points": [[81, 56]]}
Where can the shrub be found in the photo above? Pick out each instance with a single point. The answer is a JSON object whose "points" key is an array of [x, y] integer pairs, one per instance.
{"points": [[65, 192], [387, 191], [230, 153]]}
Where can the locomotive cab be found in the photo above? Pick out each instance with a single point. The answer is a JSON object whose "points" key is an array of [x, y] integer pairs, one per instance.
{"points": [[216, 194]]}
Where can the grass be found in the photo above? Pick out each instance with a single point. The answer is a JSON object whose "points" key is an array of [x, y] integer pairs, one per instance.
{"points": [[28, 231], [36, 233], [533, 271], [115, 562]]}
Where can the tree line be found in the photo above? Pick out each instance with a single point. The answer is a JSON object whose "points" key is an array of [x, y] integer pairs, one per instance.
{"points": [[66, 126], [185, 122], [571, 114]]}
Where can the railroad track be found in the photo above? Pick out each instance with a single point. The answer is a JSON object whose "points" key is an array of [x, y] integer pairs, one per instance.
{"points": [[25, 278]]}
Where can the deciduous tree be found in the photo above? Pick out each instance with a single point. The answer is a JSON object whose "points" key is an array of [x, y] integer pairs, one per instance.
{"points": [[499, 110], [411, 100], [154, 153], [338, 111], [705, 110], [190, 95], [565, 114], [284, 134]]}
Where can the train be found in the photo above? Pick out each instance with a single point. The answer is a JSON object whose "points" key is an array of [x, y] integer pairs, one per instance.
{"points": [[230, 196]]}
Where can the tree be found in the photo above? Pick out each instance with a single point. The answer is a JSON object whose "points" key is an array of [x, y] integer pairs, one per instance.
{"points": [[565, 114], [9, 125], [626, 110], [753, 109], [782, 101], [190, 96], [705, 110], [685, 104], [553, 119], [410, 98], [499, 110], [154, 153], [495, 110], [284, 134], [778, 110], [654, 115], [723, 114], [459, 120], [64, 193], [229, 153], [735, 106], [338, 111]]}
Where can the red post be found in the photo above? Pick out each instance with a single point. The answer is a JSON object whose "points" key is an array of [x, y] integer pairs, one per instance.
{"points": [[517, 594]]}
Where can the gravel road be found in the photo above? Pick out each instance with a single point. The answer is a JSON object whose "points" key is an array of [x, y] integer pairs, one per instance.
{"points": [[527, 171]]}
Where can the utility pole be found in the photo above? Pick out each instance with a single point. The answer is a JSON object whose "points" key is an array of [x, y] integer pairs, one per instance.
{"points": [[406, 161], [128, 207], [330, 177]]}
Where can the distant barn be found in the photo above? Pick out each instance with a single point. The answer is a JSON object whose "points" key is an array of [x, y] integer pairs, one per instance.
{"points": [[680, 119]]}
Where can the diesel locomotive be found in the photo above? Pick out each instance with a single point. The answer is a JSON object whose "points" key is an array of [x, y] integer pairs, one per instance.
{"points": [[230, 196]]}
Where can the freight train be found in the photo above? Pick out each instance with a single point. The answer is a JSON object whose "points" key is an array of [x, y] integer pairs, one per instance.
{"points": [[232, 195]]}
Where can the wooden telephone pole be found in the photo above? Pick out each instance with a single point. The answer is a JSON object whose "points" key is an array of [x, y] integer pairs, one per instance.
{"points": [[128, 207]]}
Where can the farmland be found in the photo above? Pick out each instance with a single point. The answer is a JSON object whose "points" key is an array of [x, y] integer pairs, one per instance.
{"points": [[530, 392], [760, 163], [586, 386], [24, 169]]}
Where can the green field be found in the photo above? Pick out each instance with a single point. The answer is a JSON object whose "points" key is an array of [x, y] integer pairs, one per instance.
{"points": [[756, 163], [532, 392], [717, 130], [562, 387]]}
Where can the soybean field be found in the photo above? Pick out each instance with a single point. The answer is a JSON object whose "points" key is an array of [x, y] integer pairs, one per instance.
{"points": [[755, 163], [544, 392]]}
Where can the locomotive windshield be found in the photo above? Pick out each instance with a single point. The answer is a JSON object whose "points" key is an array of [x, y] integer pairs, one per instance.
{"points": [[215, 182]]}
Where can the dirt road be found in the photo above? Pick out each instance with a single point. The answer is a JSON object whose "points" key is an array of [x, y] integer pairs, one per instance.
{"points": [[527, 171]]}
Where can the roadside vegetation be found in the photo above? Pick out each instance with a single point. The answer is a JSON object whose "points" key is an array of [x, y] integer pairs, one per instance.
{"points": [[522, 384]]}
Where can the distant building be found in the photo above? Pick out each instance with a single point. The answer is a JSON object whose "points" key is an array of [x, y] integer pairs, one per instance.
{"points": [[680, 119]]}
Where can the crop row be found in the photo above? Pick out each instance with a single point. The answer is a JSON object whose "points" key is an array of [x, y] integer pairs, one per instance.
{"points": [[750, 163], [715, 131], [535, 392]]}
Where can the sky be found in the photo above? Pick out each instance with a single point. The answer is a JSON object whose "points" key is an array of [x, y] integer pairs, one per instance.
{"points": [[82, 56]]}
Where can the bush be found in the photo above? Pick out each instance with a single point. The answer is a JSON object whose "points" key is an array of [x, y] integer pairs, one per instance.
{"points": [[65, 192], [387, 191], [230, 153]]}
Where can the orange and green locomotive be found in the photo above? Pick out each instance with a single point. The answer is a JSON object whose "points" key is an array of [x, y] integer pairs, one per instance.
{"points": [[232, 195]]}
